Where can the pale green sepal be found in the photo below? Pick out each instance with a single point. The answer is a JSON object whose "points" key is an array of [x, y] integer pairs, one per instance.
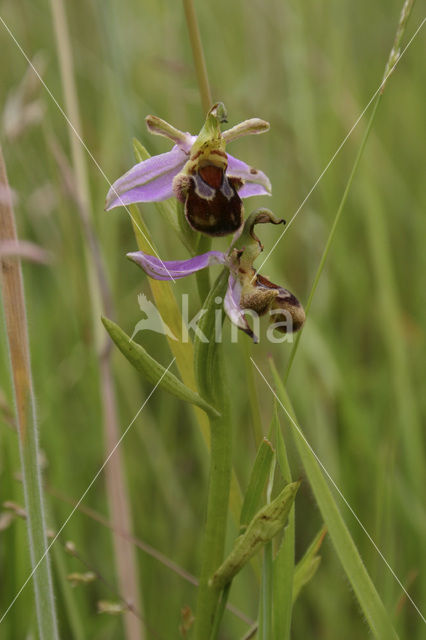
{"points": [[153, 370], [211, 128], [209, 140]]}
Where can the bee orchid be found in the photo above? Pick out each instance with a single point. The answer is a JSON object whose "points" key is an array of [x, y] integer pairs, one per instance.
{"points": [[198, 172], [248, 293]]}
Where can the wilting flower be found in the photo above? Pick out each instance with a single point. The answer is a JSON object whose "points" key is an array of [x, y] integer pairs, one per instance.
{"points": [[247, 291], [198, 171]]}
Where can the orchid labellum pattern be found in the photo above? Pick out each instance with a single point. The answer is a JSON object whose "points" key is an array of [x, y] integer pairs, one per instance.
{"points": [[248, 293], [209, 182]]}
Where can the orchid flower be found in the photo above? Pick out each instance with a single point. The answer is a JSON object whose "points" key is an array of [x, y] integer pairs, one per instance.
{"points": [[198, 172], [248, 291]]}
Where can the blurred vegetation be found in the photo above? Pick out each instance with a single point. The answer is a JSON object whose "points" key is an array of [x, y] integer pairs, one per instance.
{"points": [[357, 382]]}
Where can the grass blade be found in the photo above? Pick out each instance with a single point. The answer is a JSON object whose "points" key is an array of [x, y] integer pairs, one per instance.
{"points": [[283, 569], [308, 565], [17, 337], [257, 482], [100, 300], [369, 600]]}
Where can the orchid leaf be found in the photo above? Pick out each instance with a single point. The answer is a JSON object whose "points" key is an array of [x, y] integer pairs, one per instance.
{"points": [[257, 482], [308, 565], [283, 568], [263, 527], [152, 370]]}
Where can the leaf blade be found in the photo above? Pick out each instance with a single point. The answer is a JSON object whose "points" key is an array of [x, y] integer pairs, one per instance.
{"points": [[153, 370], [368, 597], [263, 527]]}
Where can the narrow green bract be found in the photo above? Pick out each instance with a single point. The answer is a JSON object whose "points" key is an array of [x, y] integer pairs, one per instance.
{"points": [[152, 370], [308, 564], [258, 478], [264, 526]]}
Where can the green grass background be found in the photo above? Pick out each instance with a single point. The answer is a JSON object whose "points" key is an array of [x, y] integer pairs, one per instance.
{"points": [[309, 69]]}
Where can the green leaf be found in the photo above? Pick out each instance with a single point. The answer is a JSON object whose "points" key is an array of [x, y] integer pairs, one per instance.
{"points": [[153, 370], [370, 602], [283, 569], [267, 591], [266, 594], [264, 526], [258, 477], [307, 566]]}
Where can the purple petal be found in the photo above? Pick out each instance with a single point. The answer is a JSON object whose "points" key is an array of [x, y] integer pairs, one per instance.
{"points": [[256, 183], [175, 269], [252, 189], [232, 307], [148, 181]]}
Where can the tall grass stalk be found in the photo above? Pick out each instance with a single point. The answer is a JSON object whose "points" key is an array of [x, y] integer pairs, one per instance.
{"points": [[332, 234], [17, 336], [198, 55], [118, 499], [392, 333], [389, 67], [368, 597], [411, 436]]}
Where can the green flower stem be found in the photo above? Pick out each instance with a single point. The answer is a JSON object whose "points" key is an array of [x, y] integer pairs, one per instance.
{"points": [[198, 55], [220, 610], [217, 506], [210, 374], [17, 335], [253, 398], [203, 276]]}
